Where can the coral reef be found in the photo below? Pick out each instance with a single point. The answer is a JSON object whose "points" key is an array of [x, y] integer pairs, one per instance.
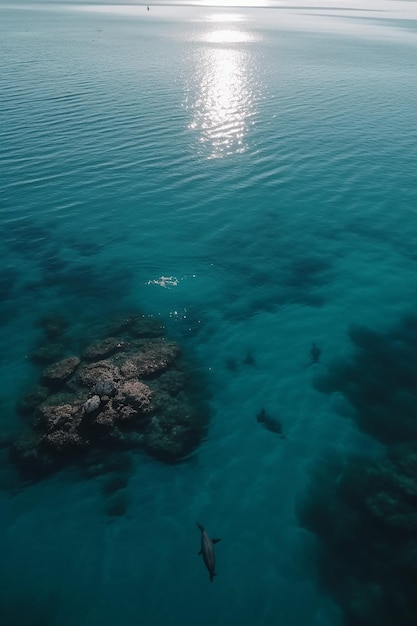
{"points": [[127, 389]]}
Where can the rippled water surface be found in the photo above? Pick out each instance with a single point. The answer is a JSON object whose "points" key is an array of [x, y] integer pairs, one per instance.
{"points": [[248, 176]]}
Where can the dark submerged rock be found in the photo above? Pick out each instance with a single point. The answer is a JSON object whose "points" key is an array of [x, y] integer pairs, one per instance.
{"points": [[153, 358], [135, 326], [104, 388], [32, 399], [47, 353], [92, 404], [92, 374], [59, 372], [104, 348]]}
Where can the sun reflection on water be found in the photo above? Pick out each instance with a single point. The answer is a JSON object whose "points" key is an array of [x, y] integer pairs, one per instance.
{"points": [[222, 101]]}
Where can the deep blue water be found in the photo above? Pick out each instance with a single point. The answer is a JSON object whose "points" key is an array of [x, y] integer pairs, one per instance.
{"points": [[249, 177]]}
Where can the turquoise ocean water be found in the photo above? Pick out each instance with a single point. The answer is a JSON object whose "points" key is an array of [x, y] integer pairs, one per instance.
{"points": [[248, 175]]}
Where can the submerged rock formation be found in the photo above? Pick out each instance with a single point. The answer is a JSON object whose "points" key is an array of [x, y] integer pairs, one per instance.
{"points": [[127, 389], [58, 372], [363, 512], [363, 509]]}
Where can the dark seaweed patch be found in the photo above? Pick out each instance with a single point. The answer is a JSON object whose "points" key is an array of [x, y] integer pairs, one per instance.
{"points": [[302, 279], [307, 272], [54, 324], [295, 282], [86, 248], [52, 262]]}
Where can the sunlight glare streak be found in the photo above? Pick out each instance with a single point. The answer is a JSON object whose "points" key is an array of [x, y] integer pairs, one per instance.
{"points": [[225, 17], [223, 106], [228, 36]]}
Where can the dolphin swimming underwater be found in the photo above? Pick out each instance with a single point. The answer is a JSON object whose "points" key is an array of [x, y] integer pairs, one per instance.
{"points": [[315, 353], [270, 423], [207, 550]]}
